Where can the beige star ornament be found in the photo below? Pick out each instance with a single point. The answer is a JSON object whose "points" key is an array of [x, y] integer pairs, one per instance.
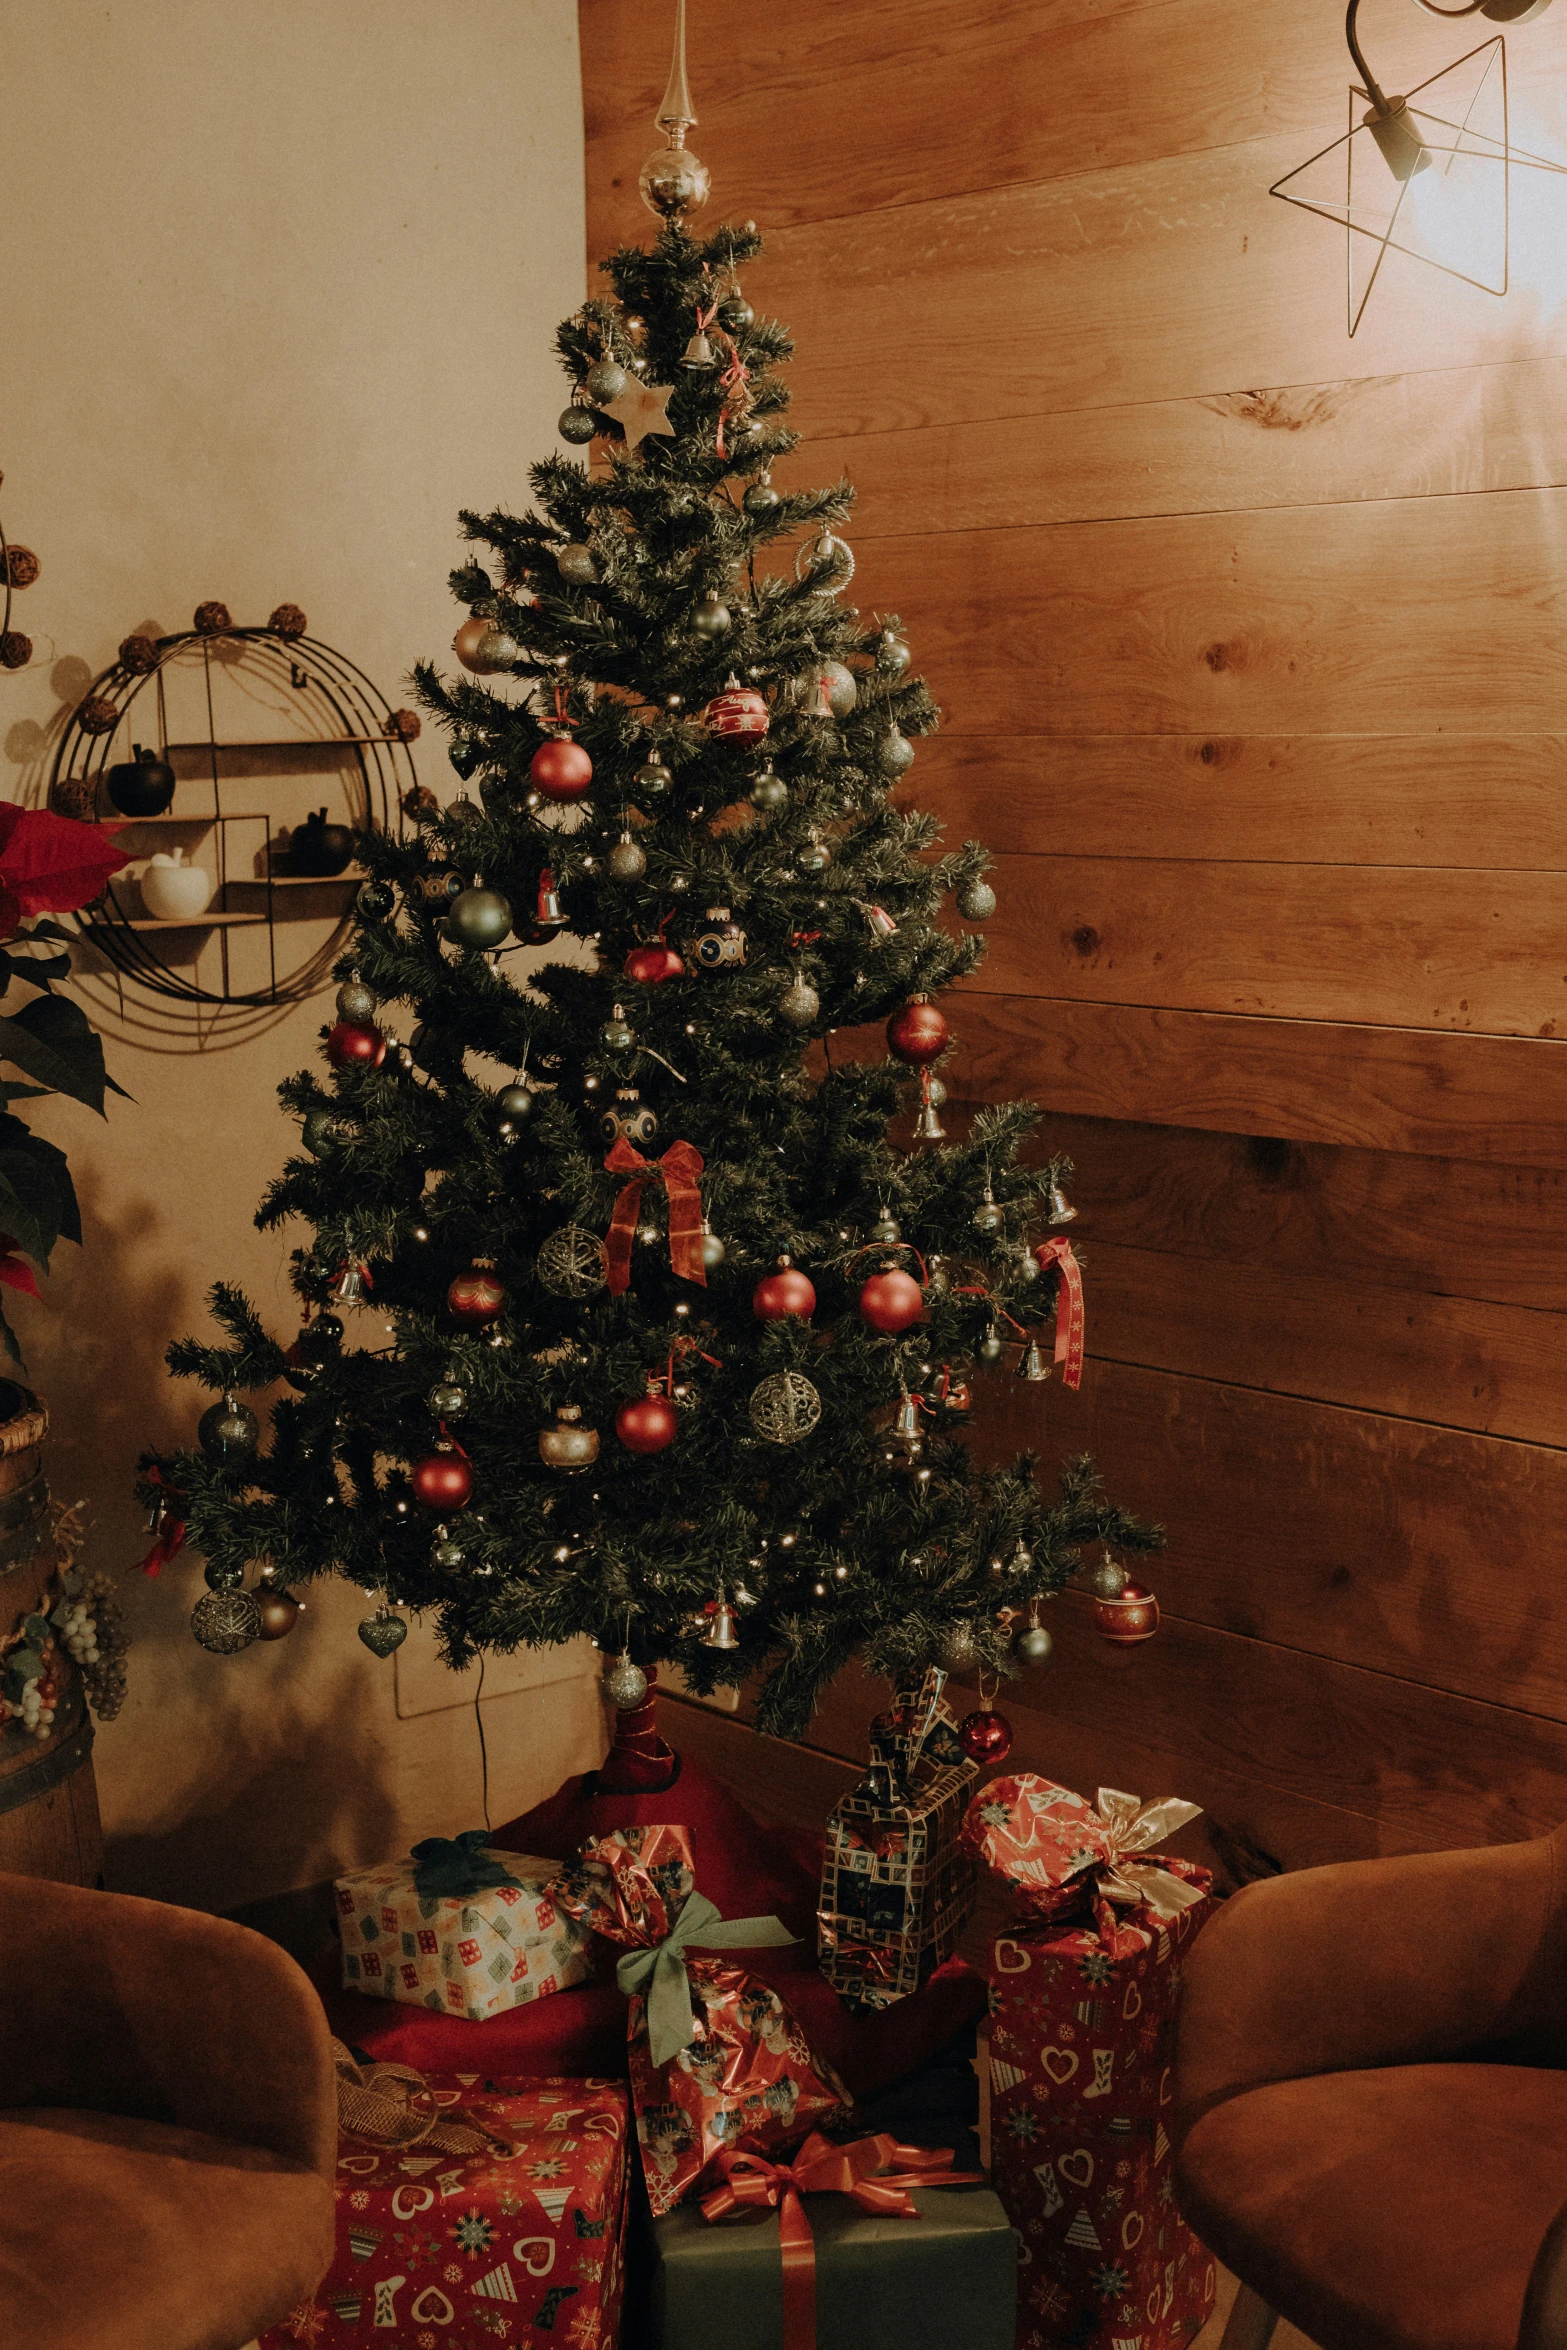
{"points": [[642, 409]]}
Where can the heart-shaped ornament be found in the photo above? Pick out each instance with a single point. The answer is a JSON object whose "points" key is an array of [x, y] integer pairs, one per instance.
{"points": [[383, 1632]]}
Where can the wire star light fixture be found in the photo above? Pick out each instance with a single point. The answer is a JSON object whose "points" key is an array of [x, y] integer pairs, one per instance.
{"points": [[1431, 180]]}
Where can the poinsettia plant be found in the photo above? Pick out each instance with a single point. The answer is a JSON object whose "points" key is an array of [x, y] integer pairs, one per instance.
{"points": [[48, 865]]}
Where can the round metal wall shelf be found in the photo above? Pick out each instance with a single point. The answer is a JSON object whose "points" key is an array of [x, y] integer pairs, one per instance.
{"points": [[302, 709]]}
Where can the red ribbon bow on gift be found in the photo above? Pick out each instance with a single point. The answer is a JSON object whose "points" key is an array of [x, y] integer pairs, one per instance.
{"points": [[169, 1530], [1069, 1306], [876, 2172], [680, 1166]]}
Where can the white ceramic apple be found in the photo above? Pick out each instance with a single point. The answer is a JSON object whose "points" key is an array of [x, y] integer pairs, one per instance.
{"points": [[172, 890]]}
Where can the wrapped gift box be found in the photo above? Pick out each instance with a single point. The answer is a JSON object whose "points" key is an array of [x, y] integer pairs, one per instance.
{"points": [[516, 2242], [1080, 2050], [471, 1954], [897, 1884], [947, 2277]]}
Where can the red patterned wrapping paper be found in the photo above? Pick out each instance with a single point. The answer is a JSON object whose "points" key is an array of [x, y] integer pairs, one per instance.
{"points": [[442, 2251], [1082, 2015], [747, 2081]]}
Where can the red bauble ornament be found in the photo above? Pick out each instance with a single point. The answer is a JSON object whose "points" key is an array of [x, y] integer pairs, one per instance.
{"points": [[354, 1045], [648, 1424], [560, 770], [476, 1297], [986, 1737], [443, 1480], [788, 1291], [917, 1033], [1132, 1617], [650, 964], [737, 711], [892, 1301]]}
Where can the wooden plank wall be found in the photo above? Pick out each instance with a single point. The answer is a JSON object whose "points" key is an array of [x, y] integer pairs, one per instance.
{"points": [[1252, 646]]}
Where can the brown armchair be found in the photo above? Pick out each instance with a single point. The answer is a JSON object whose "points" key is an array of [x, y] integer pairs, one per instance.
{"points": [[1371, 2110], [168, 2125]]}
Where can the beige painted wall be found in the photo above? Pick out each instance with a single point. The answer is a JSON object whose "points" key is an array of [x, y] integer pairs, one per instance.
{"points": [[280, 281]]}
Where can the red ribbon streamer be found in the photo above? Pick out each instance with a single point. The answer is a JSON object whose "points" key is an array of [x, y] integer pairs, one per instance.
{"points": [[680, 1166], [876, 2172], [1069, 1306], [170, 1538]]}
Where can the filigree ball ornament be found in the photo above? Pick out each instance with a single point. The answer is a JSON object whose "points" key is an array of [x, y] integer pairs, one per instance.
{"points": [[785, 1407], [224, 1622], [1132, 1618], [624, 1684], [573, 1262]]}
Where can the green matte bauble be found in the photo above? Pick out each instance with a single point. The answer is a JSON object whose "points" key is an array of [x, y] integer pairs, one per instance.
{"points": [[577, 566], [516, 1102], [976, 901], [376, 900], [654, 778], [711, 617], [219, 1577], [229, 1433], [479, 918], [577, 425], [447, 1401], [627, 860], [799, 1004], [769, 792], [356, 1002], [224, 1622], [322, 1133], [895, 753], [383, 1632], [761, 497], [1034, 1646], [461, 814], [604, 381]]}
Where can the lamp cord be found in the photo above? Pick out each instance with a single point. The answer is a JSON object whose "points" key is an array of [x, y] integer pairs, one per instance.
{"points": [[1373, 88]]}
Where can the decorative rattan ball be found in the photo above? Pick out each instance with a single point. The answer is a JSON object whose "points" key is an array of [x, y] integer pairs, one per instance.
{"points": [[404, 726], [213, 619], [16, 650], [139, 654], [22, 566], [98, 715], [288, 621]]}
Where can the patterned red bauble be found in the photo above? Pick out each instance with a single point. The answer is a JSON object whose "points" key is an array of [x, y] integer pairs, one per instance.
{"points": [[788, 1291], [476, 1297], [650, 964], [737, 712], [443, 1480], [917, 1033], [560, 770], [986, 1737], [352, 1044], [1132, 1617], [891, 1301], [648, 1424]]}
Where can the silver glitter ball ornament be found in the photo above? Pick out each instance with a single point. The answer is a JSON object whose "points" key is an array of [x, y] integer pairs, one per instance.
{"points": [[799, 1004], [895, 753], [224, 1622], [624, 1684], [976, 901], [577, 566], [1107, 1580], [605, 380], [356, 1002], [229, 1433], [627, 860]]}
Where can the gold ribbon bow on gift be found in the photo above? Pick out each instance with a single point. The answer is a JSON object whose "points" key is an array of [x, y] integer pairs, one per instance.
{"points": [[1126, 1825], [392, 2106]]}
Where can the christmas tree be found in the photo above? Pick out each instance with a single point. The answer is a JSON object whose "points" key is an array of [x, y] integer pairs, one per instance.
{"points": [[674, 1315]]}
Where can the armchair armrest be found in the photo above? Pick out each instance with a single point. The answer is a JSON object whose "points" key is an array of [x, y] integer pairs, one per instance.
{"points": [[1403, 1961], [118, 2005]]}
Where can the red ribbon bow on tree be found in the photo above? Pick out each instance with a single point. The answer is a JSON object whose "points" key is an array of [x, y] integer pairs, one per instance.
{"points": [[170, 1530], [877, 2172], [680, 1166], [1069, 1306]]}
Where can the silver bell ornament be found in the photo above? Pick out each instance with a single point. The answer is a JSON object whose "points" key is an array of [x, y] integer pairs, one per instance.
{"points": [[624, 1684], [721, 1632], [356, 1003], [1061, 1210], [906, 1431], [698, 351], [1033, 1366], [928, 1126]]}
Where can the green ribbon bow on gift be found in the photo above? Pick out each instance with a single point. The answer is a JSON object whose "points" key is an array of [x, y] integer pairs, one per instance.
{"points": [[457, 1865], [660, 1973]]}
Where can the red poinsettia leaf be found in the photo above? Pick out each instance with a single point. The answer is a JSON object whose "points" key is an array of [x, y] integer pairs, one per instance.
{"points": [[51, 864], [15, 1271]]}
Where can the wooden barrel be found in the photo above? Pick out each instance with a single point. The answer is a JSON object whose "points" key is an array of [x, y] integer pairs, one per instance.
{"points": [[48, 1797]]}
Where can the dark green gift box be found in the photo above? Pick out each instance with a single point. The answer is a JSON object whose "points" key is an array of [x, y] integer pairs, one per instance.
{"points": [[881, 2284]]}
